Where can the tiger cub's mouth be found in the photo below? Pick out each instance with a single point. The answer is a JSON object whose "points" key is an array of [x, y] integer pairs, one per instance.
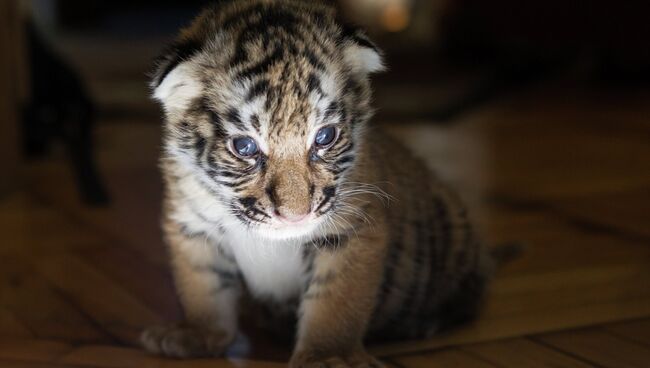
{"points": [[279, 227], [280, 230]]}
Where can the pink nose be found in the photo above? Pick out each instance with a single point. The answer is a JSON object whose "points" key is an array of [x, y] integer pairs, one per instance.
{"points": [[291, 218]]}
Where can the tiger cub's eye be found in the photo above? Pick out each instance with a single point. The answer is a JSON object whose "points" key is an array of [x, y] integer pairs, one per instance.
{"points": [[325, 136], [245, 146]]}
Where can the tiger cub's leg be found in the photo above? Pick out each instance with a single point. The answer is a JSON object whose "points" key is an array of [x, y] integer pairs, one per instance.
{"points": [[337, 306], [209, 287]]}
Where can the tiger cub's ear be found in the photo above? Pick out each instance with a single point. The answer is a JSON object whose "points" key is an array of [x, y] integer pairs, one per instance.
{"points": [[173, 81], [361, 55]]}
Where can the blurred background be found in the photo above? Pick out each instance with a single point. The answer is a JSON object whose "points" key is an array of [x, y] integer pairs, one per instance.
{"points": [[537, 111], [446, 58]]}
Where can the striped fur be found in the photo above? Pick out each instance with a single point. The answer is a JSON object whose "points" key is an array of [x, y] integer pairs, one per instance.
{"points": [[385, 251]]}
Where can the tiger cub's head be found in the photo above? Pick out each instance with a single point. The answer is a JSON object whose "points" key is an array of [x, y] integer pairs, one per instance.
{"points": [[266, 102]]}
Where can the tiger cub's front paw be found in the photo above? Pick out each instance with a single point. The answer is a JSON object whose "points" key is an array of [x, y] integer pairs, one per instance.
{"points": [[358, 360], [185, 341]]}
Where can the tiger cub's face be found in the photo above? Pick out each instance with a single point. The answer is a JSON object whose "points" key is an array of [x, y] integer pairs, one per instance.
{"points": [[272, 129]]}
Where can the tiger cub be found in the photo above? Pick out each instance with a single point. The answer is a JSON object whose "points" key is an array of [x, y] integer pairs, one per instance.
{"points": [[276, 186]]}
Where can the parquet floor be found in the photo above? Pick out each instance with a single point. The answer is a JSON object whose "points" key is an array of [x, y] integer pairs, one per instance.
{"points": [[562, 168]]}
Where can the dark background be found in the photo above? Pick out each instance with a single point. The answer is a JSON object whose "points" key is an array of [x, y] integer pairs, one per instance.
{"points": [[468, 50]]}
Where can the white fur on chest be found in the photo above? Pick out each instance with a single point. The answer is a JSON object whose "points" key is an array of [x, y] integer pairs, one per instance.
{"points": [[275, 270]]}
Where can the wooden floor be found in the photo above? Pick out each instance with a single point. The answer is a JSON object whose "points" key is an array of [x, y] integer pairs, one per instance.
{"points": [[564, 169]]}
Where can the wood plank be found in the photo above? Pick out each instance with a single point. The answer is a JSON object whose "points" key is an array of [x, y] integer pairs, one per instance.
{"points": [[531, 157], [10, 326], [40, 307], [221, 363], [117, 357], [627, 211], [573, 278], [31, 350], [14, 364], [520, 352], [55, 235], [637, 330], [442, 359], [565, 289], [554, 243], [599, 347], [20, 214], [133, 219], [111, 307], [107, 356], [153, 284]]}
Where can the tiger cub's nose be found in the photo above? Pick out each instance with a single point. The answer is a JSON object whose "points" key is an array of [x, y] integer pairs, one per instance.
{"points": [[291, 196], [291, 218]]}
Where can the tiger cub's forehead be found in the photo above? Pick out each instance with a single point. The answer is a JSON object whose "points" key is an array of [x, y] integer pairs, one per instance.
{"points": [[286, 103]]}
